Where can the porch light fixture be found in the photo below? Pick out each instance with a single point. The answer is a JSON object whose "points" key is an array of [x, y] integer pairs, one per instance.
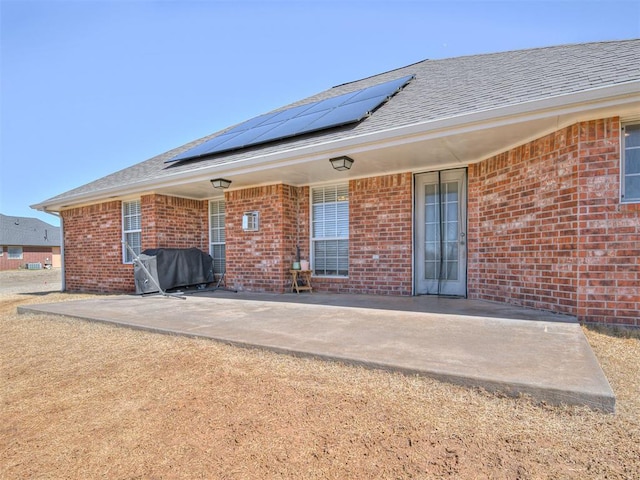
{"points": [[341, 163], [220, 183]]}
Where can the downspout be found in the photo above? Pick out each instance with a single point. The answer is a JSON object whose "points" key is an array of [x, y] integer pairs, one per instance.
{"points": [[62, 262]]}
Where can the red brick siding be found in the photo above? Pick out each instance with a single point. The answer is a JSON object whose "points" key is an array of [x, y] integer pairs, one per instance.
{"points": [[296, 226], [380, 224], [93, 239], [258, 260], [321, 284], [174, 222], [93, 249], [609, 246], [522, 225], [547, 231], [43, 255], [303, 217]]}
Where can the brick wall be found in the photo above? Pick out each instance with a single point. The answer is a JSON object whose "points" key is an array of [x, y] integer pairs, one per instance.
{"points": [[174, 222], [522, 225], [43, 255], [259, 260], [380, 237], [547, 230], [303, 223], [380, 225], [93, 239], [93, 249], [609, 244], [296, 227]]}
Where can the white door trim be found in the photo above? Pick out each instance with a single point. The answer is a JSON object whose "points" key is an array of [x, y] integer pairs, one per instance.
{"points": [[440, 226]]}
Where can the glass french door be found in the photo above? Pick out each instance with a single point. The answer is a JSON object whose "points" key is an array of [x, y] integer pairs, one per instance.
{"points": [[441, 229]]}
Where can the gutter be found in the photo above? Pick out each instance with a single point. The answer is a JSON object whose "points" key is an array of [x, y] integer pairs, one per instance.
{"points": [[62, 262], [573, 103]]}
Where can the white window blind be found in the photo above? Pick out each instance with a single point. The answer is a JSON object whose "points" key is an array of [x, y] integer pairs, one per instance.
{"points": [[131, 229], [330, 230], [217, 238]]}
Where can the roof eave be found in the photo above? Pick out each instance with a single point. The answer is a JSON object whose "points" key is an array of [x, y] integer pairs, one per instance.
{"points": [[568, 104]]}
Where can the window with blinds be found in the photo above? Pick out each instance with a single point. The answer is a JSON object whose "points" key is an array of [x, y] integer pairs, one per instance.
{"points": [[330, 230], [131, 229], [630, 184], [217, 239]]}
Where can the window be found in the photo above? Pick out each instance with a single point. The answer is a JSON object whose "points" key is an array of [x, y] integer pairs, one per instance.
{"points": [[131, 229], [14, 253], [1, 250], [630, 188], [217, 247], [330, 230]]}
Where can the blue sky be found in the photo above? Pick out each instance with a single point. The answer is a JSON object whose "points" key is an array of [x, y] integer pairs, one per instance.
{"points": [[89, 87]]}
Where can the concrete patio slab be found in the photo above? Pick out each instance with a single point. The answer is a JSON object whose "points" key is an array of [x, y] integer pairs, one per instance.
{"points": [[479, 344]]}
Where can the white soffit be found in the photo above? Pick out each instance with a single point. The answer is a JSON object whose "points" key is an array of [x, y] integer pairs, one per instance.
{"points": [[437, 144]]}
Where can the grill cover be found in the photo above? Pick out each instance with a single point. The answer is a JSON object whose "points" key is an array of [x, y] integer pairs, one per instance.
{"points": [[172, 268]]}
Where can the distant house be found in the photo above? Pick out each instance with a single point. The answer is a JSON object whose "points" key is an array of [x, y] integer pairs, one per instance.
{"points": [[28, 242], [512, 177]]}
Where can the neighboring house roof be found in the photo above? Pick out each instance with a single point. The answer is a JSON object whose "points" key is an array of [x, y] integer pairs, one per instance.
{"points": [[26, 231], [447, 99]]}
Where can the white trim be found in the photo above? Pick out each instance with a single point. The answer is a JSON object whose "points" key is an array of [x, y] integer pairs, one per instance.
{"points": [[125, 232], [623, 175], [313, 240], [211, 243]]}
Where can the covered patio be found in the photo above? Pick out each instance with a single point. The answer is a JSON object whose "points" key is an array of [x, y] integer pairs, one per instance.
{"points": [[497, 347]]}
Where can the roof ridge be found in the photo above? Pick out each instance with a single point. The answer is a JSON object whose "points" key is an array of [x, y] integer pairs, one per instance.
{"points": [[8, 218], [486, 54], [379, 74], [548, 47]]}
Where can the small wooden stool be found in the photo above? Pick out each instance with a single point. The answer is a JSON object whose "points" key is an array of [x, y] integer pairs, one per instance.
{"points": [[305, 277]]}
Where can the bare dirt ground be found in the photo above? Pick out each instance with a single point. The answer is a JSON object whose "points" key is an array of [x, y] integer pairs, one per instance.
{"points": [[80, 400]]}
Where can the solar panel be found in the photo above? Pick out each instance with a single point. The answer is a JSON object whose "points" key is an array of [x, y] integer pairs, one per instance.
{"points": [[331, 112]]}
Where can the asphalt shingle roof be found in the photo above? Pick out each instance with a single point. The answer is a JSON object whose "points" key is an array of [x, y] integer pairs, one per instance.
{"points": [[27, 231], [441, 89]]}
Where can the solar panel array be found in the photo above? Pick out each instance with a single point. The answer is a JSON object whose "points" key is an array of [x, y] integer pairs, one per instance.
{"points": [[331, 112]]}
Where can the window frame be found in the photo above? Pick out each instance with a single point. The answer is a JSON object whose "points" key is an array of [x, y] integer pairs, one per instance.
{"points": [[623, 174], [127, 258], [219, 261], [314, 240]]}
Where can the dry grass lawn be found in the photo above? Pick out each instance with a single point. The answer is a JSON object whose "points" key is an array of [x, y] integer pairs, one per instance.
{"points": [[81, 400]]}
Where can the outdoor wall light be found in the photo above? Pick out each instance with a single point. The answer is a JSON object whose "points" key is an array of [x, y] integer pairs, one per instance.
{"points": [[220, 183], [341, 163]]}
